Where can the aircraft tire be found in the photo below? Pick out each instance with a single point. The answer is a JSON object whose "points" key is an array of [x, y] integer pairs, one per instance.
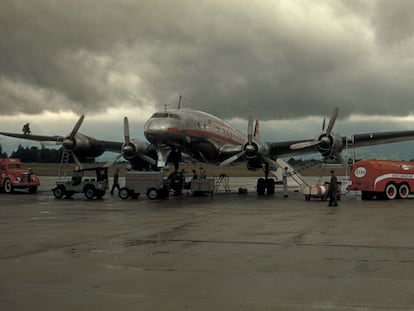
{"points": [[270, 186], [391, 191], [261, 186]]}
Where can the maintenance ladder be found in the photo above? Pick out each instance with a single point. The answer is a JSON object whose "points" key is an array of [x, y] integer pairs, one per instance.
{"points": [[222, 180]]}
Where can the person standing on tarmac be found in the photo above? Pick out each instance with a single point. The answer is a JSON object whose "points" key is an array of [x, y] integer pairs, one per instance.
{"points": [[285, 175], [116, 181], [333, 189]]}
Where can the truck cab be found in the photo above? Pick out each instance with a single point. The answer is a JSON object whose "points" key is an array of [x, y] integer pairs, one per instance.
{"points": [[14, 176]]}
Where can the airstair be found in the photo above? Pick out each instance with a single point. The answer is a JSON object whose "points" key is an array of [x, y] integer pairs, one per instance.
{"points": [[294, 176]]}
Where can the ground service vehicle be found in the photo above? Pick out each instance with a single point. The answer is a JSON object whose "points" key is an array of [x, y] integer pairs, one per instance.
{"points": [[151, 183], [202, 186], [13, 176], [320, 191], [89, 186], [382, 179]]}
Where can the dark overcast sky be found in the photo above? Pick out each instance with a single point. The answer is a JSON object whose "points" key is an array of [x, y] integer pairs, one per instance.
{"points": [[280, 59]]}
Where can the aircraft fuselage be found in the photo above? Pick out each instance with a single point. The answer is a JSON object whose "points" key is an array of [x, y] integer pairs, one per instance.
{"points": [[192, 131]]}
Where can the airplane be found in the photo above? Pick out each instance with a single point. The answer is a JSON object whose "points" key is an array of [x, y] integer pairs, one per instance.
{"points": [[174, 135]]}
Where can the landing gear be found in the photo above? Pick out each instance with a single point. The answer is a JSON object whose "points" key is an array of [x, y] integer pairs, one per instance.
{"points": [[266, 186]]}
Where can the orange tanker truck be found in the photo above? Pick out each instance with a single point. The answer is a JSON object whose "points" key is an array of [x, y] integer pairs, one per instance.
{"points": [[382, 179]]}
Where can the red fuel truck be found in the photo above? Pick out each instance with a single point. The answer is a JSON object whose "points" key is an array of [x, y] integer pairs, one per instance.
{"points": [[382, 179], [13, 176]]}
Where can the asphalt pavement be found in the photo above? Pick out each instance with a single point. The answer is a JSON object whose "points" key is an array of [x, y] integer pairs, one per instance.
{"points": [[221, 252]]}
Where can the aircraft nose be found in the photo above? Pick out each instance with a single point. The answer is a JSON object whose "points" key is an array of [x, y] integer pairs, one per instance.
{"points": [[156, 130]]}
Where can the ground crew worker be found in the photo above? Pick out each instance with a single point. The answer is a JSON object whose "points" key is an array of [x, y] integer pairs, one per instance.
{"points": [[116, 181], [333, 189], [285, 175]]}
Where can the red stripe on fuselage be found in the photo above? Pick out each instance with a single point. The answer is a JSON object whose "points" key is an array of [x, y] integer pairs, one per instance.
{"points": [[208, 134]]}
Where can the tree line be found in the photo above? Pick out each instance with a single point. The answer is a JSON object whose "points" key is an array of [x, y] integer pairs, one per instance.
{"points": [[34, 154]]}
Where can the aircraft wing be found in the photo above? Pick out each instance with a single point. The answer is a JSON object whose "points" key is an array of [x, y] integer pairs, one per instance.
{"points": [[40, 138], [282, 149], [85, 143], [370, 139]]}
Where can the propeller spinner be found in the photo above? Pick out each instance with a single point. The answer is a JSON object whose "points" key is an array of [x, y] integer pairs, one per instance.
{"points": [[69, 142], [326, 142], [131, 149], [252, 147]]}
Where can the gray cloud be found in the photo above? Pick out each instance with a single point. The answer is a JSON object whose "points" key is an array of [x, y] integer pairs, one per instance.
{"points": [[278, 59]]}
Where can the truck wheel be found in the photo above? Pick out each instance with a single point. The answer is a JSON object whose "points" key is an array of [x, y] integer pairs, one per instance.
{"points": [[403, 191], [152, 194], [124, 193], [58, 192], [391, 192], [8, 186], [90, 192]]}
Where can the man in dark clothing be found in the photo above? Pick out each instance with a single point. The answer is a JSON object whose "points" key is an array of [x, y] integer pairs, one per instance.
{"points": [[116, 182], [333, 188]]}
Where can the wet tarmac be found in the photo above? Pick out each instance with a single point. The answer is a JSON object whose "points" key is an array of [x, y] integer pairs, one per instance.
{"points": [[226, 252]]}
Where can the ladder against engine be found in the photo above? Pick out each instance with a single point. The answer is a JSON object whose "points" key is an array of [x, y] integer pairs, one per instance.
{"points": [[64, 163]]}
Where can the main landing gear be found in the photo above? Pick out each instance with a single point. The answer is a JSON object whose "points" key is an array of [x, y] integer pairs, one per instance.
{"points": [[266, 185]]}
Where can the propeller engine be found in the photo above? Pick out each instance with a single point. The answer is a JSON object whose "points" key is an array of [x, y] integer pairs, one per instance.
{"points": [[327, 142], [253, 149], [133, 148], [70, 142]]}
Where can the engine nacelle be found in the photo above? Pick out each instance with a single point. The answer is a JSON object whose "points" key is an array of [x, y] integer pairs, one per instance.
{"points": [[254, 149], [330, 146], [83, 146], [134, 148]]}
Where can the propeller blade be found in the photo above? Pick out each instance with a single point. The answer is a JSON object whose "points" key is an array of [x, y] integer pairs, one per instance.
{"points": [[75, 158], [304, 144], [323, 124], [257, 130], [148, 159], [126, 131], [77, 126], [250, 130], [332, 121], [110, 163], [232, 159]]}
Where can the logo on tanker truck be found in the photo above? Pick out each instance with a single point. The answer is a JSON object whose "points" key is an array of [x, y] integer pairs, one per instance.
{"points": [[360, 172]]}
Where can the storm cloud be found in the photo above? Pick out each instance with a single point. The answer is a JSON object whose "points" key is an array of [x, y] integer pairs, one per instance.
{"points": [[278, 59]]}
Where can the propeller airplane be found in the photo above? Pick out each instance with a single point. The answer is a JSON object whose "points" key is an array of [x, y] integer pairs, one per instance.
{"points": [[174, 135]]}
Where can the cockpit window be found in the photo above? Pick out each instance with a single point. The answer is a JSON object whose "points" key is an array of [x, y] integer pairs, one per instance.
{"points": [[165, 115]]}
